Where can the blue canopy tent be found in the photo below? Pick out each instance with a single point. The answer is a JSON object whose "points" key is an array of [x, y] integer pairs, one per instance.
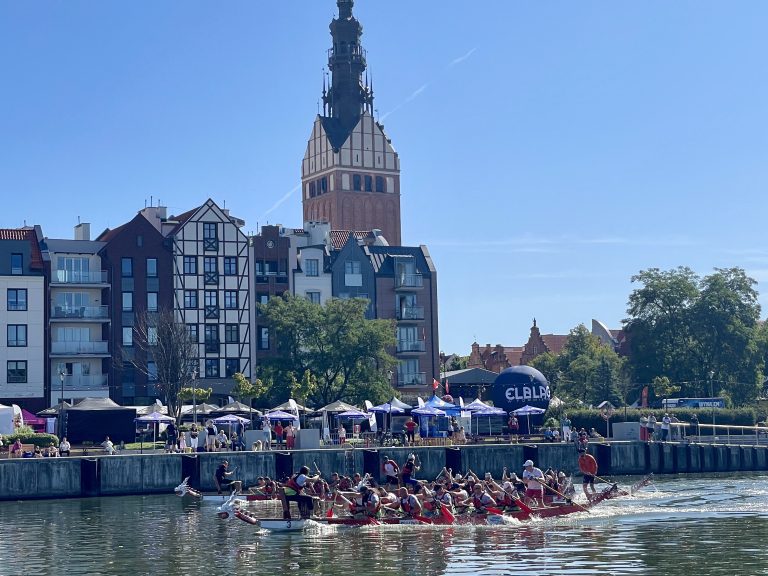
{"points": [[386, 409], [425, 413], [488, 411], [156, 418]]}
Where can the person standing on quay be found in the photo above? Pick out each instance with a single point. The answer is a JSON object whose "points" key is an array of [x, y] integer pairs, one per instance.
{"points": [[565, 423], [665, 422]]}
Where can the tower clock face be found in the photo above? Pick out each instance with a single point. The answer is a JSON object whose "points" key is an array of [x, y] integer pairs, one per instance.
{"points": [[270, 244]]}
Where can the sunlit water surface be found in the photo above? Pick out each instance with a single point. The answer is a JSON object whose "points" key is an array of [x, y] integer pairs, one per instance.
{"points": [[697, 525]]}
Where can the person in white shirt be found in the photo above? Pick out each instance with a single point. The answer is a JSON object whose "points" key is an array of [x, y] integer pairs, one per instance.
{"points": [[109, 447], [534, 484], [665, 427]]}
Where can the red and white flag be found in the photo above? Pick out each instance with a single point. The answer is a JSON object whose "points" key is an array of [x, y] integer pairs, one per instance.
{"points": [[435, 384], [447, 387]]}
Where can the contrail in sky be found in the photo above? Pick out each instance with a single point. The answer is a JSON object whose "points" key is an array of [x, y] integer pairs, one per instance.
{"points": [[418, 92], [282, 200]]}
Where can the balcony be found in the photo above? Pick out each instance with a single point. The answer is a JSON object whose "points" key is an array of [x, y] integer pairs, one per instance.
{"points": [[71, 277], [411, 346], [79, 382], [211, 312], [211, 278], [210, 244], [407, 313], [264, 277], [92, 313], [412, 379], [77, 348], [409, 281]]}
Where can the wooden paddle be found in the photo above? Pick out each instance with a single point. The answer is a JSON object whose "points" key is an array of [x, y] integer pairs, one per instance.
{"points": [[563, 496]]}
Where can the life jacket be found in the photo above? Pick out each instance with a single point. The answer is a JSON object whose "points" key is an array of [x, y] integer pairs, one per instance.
{"points": [[405, 504], [366, 499], [293, 485], [408, 469]]}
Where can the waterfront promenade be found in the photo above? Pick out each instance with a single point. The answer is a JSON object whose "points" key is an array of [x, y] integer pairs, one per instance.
{"points": [[91, 476]]}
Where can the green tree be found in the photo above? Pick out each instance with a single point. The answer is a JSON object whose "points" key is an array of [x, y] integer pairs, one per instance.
{"points": [[549, 365], [246, 391], [345, 353]]}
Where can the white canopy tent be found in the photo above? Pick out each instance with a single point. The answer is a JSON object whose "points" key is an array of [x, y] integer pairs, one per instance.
{"points": [[9, 416]]}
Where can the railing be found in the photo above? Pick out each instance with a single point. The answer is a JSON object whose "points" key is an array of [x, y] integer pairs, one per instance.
{"points": [[80, 312], [412, 379], [211, 312], [409, 281], [80, 347], [211, 278], [71, 382], [411, 313], [411, 346], [76, 277], [210, 244], [722, 433]]}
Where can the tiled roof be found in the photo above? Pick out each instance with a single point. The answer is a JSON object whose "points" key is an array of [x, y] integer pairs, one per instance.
{"points": [[25, 234], [555, 342], [340, 237], [514, 355]]}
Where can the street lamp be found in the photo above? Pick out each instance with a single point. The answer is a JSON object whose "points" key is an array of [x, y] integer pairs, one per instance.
{"points": [[194, 398], [712, 396], [62, 432]]}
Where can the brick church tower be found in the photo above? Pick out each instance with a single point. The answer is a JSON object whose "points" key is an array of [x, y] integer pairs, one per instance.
{"points": [[350, 174]]}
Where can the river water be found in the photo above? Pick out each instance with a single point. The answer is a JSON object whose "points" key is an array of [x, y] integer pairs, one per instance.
{"points": [[697, 525]]}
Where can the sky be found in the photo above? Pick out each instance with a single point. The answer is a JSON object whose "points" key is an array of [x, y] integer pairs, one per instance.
{"points": [[549, 150]]}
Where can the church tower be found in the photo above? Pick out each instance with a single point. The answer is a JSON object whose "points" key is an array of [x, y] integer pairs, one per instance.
{"points": [[350, 174]]}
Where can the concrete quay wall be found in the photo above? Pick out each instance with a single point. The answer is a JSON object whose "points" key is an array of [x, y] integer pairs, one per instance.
{"points": [[22, 479]]}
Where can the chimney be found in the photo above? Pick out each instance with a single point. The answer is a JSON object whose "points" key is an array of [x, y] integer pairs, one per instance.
{"points": [[83, 231]]}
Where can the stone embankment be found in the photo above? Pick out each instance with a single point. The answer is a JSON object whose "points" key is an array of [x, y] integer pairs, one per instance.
{"points": [[22, 479]]}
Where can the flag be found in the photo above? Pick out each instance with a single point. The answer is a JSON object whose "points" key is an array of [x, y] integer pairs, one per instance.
{"points": [[644, 402], [435, 384], [447, 387], [371, 416]]}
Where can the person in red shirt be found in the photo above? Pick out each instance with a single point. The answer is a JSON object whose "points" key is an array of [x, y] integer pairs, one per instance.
{"points": [[279, 434], [410, 431], [588, 467]]}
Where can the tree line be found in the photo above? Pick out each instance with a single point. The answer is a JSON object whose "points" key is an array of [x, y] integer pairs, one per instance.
{"points": [[686, 336]]}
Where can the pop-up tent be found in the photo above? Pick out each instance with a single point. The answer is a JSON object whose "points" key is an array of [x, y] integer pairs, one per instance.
{"points": [[7, 416], [37, 424], [94, 418]]}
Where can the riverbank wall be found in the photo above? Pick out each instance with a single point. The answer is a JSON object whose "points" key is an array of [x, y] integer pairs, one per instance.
{"points": [[124, 474]]}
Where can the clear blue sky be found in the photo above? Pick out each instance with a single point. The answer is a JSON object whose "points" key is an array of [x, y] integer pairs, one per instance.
{"points": [[549, 150]]}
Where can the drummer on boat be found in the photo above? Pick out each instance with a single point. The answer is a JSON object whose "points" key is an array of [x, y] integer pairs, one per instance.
{"points": [[222, 479]]}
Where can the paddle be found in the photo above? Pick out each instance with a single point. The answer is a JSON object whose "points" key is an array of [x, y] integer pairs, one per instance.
{"points": [[563, 496]]}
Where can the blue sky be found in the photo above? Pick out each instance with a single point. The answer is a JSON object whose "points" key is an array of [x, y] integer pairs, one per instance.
{"points": [[549, 150]]}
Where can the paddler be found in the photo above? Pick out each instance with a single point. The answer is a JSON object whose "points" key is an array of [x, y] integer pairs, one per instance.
{"points": [[408, 503], [407, 472], [223, 481], [588, 467], [292, 492], [370, 504], [534, 484], [480, 499]]}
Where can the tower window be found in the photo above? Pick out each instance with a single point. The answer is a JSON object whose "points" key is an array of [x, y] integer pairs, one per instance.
{"points": [[380, 187], [369, 184], [324, 184], [311, 189], [357, 182]]}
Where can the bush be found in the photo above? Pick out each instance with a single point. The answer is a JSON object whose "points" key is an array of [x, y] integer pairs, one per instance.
{"points": [[41, 440], [728, 417]]}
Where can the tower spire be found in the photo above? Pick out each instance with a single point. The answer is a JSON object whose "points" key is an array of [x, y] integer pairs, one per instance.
{"points": [[347, 96]]}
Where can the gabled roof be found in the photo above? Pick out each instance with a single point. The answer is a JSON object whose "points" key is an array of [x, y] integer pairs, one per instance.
{"points": [[470, 376], [555, 342], [28, 235], [336, 132], [383, 257], [340, 237]]}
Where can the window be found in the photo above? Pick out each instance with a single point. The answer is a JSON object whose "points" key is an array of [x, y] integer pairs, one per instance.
{"points": [[313, 296], [311, 189], [17, 335], [232, 333], [151, 301], [127, 301], [324, 184], [231, 367], [357, 182], [151, 371], [264, 338], [261, 300], [210, 264], [380, 187], [212, 338], [126, 267], [190, 298], [190, 265], [152, 336], [127, 336], [17, 299], [352, 267], [211, 298], [230, 265], [151, 267], [192, 333], [209, 231], [17, 371], [259, 268], [230, 299], [369, 184], [211, 368], [17, 265], [312, 267]]}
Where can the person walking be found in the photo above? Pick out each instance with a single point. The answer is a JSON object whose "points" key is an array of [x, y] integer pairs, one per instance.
{"points": [[565, 423]]}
